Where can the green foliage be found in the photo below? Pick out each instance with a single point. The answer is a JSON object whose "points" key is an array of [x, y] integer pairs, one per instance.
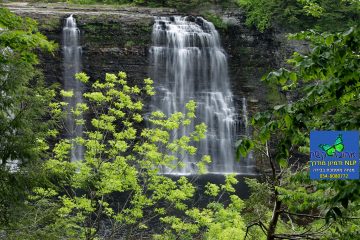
{"points": [[216, 20], [23, 96], [219, 222], [328, 81], [129, 44], [312, 8], [243, 147], [122, 158], [258, 203], [82, 1], [324, 85], [181, 5], [23, 109], [295, 15], [35, 219], [259, 13]]}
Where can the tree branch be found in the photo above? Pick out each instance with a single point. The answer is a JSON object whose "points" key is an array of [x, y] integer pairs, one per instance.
{"points": [[260, 224]]}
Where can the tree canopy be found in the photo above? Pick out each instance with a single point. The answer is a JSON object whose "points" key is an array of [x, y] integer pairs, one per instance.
{"points": [[23, 99], [323, 92]]}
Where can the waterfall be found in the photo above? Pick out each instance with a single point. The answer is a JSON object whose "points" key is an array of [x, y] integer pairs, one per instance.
{"points": [[72, 65], [249, 166], [188, 63], [245, 117]]}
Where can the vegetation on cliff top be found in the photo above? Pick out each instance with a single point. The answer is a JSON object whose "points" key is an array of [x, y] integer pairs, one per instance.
{"points": [[290, 15], [295, 15]]}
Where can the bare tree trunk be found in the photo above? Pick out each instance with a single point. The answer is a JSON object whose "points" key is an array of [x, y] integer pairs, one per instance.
{"points": [[274, 218], [277, 203]]}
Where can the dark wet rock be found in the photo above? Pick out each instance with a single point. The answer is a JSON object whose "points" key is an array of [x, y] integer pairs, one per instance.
{"points": [[190, 19], [199, 21], [119, 40], [163, 25], [116, 39]]}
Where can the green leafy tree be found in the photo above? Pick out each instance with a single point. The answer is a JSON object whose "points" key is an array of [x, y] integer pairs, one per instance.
{"points": [[296, 15], [259, 13], [218, 220], [22, 97], [117, 189], [324, 89], [23, 101]]}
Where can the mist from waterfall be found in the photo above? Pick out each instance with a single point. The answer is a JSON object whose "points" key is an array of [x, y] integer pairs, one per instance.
{"points": [[72, 65], [188, 63]]}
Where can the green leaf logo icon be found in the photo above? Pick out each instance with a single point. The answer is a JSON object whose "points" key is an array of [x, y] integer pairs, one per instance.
{"points": [[331, 149]]}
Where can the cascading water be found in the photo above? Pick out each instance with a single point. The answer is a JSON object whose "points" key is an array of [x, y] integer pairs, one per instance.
{"points": [[190, 64], [249, 166], [72, 65]]}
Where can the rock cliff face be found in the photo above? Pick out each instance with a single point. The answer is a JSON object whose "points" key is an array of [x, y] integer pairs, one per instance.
{"points": [[119, 39]]}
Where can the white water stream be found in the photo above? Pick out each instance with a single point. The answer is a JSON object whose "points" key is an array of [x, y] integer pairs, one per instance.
{"points": [[190, 64], [72, 65]]}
